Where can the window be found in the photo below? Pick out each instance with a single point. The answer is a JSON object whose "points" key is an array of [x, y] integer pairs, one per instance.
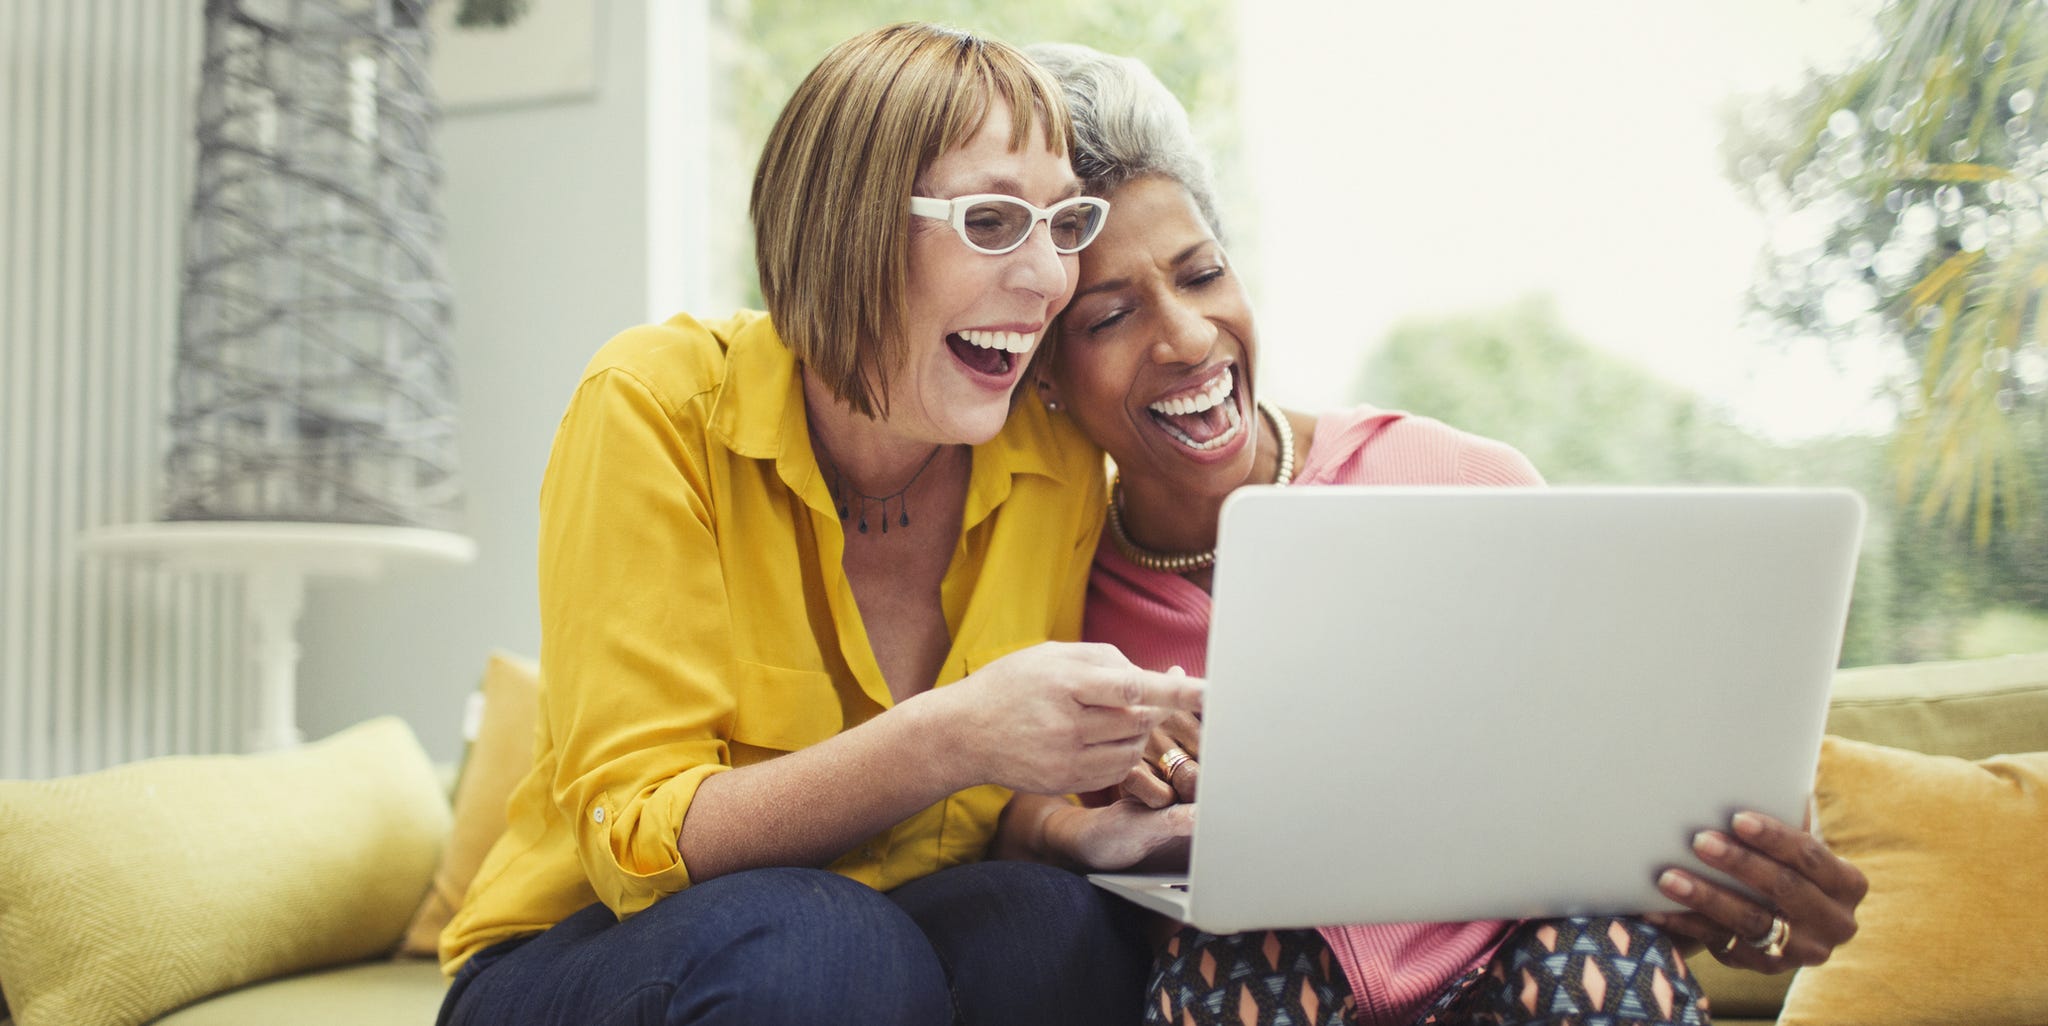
{"points": [[1642, 242]]}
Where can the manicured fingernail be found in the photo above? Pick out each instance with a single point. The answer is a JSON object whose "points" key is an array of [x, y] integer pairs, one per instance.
{"points": [[1709, 844], [1675, 883], [1748, 825]]}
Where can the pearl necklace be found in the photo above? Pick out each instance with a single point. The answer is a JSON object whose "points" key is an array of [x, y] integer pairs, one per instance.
{"points": [[1189, 562]]}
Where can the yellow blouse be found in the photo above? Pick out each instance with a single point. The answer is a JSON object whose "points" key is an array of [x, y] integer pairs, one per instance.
{"points": [[695, 616]]}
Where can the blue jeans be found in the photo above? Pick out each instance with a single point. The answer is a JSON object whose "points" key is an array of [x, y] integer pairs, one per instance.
{"points": [[982, 944]]}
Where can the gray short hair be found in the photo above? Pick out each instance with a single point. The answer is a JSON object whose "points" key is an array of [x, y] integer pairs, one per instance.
{"points": [[1127, 124]]}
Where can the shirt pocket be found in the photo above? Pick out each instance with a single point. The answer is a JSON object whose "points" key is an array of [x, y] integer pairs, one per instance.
{"points": [[783, 709]]}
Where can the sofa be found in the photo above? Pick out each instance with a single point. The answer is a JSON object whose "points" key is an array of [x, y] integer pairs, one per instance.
{"points": [[275, 888]]}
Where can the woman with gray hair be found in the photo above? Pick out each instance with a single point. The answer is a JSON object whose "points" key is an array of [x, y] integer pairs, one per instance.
{"points": [[1153, 359]]}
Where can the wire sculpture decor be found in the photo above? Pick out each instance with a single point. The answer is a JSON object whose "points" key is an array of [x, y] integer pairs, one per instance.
{"points": [[313, 380]]}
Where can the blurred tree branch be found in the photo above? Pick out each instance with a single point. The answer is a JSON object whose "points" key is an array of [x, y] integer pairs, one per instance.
{"points": [[1907, 193]]}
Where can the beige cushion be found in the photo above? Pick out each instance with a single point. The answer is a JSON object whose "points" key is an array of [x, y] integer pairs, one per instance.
{"points": [[497, 759], [1971, 709], [131, 891], [405, 993], [1955, 928]]}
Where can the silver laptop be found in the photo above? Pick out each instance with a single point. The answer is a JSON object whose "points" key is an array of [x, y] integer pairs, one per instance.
{"points": [[1438, 704]]}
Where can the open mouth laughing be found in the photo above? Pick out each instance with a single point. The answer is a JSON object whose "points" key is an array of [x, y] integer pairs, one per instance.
{"points": [[1205, 419], [993, 353]]}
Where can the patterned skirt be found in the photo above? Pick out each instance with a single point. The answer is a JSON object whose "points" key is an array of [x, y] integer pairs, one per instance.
{"points": [[1587, 971]]}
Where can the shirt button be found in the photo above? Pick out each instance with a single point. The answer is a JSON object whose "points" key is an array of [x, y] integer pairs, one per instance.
{"points": [[597, 814]]}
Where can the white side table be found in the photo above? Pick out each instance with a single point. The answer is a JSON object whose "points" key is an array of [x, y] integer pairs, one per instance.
{"points": [[275, 559]]}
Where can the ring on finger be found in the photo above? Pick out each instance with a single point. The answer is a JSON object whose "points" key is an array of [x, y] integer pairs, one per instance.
{"points": [[1171, 760], [1730, 946], [1773, 943]]}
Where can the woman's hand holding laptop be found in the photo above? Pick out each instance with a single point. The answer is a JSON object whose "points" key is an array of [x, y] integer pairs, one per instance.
{"points": [[1816, 893], [1125, 835]]}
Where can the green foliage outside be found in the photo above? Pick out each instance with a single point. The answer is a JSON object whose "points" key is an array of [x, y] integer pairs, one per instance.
{"points": [[2004, 629], [765, 48], [1580, 414], [1586, 417], [1906, 193], [1909, 190]]}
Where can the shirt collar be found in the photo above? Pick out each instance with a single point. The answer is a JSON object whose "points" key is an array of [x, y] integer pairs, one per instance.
{"points": [[760, 404]]}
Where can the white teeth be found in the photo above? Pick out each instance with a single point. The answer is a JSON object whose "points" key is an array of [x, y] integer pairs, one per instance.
{"points": [[1007, 341], [1216, 391], [1229, 433]]}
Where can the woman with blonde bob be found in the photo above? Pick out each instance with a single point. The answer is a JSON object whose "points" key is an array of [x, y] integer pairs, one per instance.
{"points": [[809, 589]]}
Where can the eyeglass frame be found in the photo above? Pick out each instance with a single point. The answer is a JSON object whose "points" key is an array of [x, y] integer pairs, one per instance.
{"points": [[954, 212]]}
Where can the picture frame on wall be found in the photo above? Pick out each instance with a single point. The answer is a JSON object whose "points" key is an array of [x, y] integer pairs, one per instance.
{"points": [[547, 55]]}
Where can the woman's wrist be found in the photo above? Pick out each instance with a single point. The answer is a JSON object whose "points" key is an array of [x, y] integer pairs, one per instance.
{"points": [[932, 722], [1059, 835], [1027, 831]]}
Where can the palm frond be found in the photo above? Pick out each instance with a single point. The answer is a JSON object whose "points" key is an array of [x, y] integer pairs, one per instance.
{"points": [[1955, 173], [1939, 282], [1949, 112]]}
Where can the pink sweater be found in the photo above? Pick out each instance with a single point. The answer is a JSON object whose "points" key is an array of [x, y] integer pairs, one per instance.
{"points": [[1161, 620]]}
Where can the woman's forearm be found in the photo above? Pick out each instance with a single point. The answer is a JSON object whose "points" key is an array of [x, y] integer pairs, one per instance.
{"points": [[811, 806], [1048, 719], [1026, 832]]}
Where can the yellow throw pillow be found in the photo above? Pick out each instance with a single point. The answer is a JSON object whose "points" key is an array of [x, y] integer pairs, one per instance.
{"points": [[498, 758], [129, 892], [1955, 929]]}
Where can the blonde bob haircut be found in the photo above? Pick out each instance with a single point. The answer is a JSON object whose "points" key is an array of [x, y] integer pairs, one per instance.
{"points": [[831, 202]]}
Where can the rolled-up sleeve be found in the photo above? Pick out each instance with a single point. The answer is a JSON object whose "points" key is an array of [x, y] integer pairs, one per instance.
{"points": [[636, 643]]}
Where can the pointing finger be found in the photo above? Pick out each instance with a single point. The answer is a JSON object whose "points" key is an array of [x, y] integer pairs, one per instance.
{"points": [[1133, 686]]}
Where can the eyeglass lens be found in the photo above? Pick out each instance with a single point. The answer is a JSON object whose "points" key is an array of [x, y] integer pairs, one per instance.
{"points": [[1000, 224]]}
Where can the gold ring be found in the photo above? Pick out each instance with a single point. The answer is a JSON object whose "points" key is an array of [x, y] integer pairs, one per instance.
{"points": [[1171, 760], [1773, 943]]}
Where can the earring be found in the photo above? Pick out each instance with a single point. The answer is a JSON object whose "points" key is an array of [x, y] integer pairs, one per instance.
{"points": [[1052, 406]]}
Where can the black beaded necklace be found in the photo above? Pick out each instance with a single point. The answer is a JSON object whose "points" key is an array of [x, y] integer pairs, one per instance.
{"points": [[842, 490]]}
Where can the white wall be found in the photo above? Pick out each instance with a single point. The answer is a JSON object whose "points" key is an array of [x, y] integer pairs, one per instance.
{"points": [[553, 246]]}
